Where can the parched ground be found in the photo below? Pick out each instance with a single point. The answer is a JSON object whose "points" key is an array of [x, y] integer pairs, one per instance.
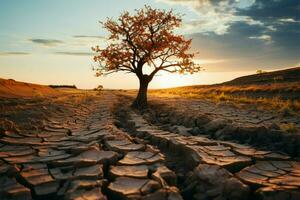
{"points": [[244, 114], [91, 145]]}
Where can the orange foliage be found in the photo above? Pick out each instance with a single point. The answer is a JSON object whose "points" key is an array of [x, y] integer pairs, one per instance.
{"points": [[145, 38]]}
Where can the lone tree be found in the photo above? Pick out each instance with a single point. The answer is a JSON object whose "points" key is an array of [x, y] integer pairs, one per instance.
{"points": [[145, 40]]}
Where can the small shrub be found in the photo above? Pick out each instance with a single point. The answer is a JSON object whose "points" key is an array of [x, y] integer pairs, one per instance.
{"points": [[260, 71]]}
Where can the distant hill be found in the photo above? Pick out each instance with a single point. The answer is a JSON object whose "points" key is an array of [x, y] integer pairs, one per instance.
{"points": [[63, 86], [10, 88], [280, 76], [284, 84]]}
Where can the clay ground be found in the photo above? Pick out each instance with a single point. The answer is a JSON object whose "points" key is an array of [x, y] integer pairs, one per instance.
{"points": [[92, 145]]}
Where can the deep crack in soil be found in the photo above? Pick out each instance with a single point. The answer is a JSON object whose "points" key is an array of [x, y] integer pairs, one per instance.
{"points": [[209, 169]]}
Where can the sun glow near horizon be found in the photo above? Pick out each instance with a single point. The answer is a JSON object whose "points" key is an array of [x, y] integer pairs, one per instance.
{"points": [[170, 80]]}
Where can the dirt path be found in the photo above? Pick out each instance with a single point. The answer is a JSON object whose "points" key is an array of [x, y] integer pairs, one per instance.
{"points": [[101, 149], [265, 129], [80, 154]]}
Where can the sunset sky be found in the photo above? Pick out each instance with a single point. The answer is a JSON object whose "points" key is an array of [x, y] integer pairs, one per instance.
{"points": [[49, 41]]}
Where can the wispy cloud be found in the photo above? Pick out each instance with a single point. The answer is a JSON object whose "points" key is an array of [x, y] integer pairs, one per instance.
{"points": [[265, 38], [86, 40], [89, 36], [70, 53], [46, 42], [13, 53], [289, 20]]}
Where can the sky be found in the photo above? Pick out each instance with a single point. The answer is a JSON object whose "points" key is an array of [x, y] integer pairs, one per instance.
{"points": [[49, 41]]}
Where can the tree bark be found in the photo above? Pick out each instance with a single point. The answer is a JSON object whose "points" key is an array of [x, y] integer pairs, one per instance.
{"points": [[140, 101]]}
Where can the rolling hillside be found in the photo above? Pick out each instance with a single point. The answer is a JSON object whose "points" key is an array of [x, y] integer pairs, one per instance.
{"points": [[283, 84], [10, 88], [280, 76]]}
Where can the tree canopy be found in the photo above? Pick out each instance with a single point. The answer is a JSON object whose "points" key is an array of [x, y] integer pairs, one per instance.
{"points": [[145, 38]]}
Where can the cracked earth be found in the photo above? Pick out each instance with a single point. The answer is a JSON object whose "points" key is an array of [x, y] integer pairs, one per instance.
{"points": [[91, 146]]}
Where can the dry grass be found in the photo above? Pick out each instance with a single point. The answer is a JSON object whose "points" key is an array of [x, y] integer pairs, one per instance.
{"points": [[288, 127], [279, 96], [271, 88]]}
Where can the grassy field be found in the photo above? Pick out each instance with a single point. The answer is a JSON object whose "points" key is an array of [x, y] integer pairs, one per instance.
{"points": [[247, 95], [283, 95]]}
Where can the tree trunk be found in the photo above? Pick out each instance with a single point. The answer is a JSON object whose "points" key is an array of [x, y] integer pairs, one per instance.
{"points": [[140, 101]]}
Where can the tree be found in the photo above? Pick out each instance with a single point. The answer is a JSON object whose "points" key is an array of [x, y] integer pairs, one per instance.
{"points": [[99, 88], [145, 39], [260, 71]]}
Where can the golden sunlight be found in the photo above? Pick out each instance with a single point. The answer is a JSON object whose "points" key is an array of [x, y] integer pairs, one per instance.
{"points": [[167, 80]]}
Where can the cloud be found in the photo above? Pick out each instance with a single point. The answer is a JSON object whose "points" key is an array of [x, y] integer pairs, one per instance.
{"points": [[291, 20], [13, 53], [69, 53], [46, 42], [272, 10], [280, 18], [244, 29], [240, 52], [213, 15], [265, 38], [76, 45]]}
